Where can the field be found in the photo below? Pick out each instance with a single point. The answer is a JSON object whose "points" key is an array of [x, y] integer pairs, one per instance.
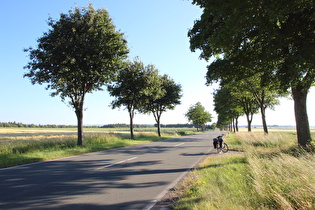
{"points": [[275, 129], [27, 145], [263, 172], [26, 132]]}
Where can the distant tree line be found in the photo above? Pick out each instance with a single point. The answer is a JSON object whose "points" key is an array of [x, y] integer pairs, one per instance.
{"points": [[176, 125], [206, 127], [22, 125], [123, 125], [117, 125]]}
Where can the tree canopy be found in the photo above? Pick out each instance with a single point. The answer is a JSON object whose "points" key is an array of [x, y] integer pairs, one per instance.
{"points": [[135, 85], [198, 115], [81, 52], [167, 101], [228, 107]]}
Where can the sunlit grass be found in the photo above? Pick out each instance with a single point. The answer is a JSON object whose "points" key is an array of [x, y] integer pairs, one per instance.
{"points": [[262, 143], [218, 183], [272, 173], [284, 181]]}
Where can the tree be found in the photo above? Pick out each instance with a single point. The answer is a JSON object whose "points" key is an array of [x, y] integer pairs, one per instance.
{"points": [[278, 35], [213, 126], [266, 95], [136, 84], [249, 107], [260, 95], [79, 54], [170, 98], [228, 107], [198, 115]]}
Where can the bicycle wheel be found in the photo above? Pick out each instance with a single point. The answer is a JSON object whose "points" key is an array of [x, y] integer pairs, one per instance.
{"points": [[225, 148]]}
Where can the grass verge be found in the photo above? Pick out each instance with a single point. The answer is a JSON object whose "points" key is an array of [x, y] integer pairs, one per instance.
{"points": [[271, 173], [218, 183]]}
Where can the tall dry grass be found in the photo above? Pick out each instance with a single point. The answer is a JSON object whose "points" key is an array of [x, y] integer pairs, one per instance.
{"points": [[284, 181], [272, 173], [253, 142], [283, 175]]}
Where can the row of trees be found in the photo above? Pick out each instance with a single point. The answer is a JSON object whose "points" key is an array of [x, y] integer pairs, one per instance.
{"points": [[83, 52], [247, 97], [272, 40], [141, 89]]}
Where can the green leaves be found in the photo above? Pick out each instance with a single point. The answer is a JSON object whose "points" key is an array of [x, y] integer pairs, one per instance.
{"points": [[79, 54], [134, 85], [168, 100], [198, 115], [141, 88], [274, 34]]}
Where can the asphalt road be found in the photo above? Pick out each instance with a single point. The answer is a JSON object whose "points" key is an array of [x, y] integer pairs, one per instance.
{"points": [[127, 178]]}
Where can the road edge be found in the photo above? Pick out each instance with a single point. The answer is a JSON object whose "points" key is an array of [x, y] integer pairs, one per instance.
{"points": [[153, 205]]}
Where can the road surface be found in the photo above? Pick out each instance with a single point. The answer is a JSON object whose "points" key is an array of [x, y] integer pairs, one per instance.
{"points": [[126, 178]]}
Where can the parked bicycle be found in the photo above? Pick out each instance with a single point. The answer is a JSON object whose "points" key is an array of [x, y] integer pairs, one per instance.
{"points": [[220, 145]]}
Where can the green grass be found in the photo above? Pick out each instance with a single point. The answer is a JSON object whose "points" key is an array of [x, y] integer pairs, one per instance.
{"points": [[233, 142], [271, 173], [218, 183], [20, 146]]}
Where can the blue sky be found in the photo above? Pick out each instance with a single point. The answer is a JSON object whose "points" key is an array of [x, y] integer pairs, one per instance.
{"points": [[156, 31]]}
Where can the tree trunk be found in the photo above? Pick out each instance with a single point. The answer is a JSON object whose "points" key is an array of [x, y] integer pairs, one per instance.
{"points": [[263, 117], [236, 124], [249, 122], [159, 125], [79, 114], [159, 129], [233, 124], [299, 94], [157, 117], [131, 115]]}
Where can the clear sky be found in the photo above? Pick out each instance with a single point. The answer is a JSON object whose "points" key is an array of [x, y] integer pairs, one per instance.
{"points": [[156, 31]]}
